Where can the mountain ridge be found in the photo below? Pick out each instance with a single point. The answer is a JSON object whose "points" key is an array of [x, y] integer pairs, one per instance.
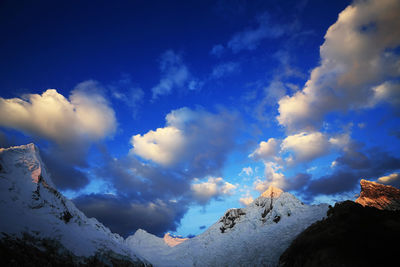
{"points": [[383, 197], [252, 236], [28, 192]]}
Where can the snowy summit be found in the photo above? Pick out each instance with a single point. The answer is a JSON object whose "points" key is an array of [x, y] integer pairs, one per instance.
{"points": [[255, 235]]}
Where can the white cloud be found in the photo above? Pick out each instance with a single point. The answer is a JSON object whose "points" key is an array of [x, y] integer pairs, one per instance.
{"points": [[86, 116], [247, 171], [273, 177], [163, 146], [305, 146], [194, 139], [387, 91], [174, 74], [214, 187], [341, 141], [391, 179], [247, 200], [266, 150], [359, 66]]}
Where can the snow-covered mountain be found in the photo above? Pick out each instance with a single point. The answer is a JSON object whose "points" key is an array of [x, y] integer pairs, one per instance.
{"points": [[252, 236], [383, 197], [31, 206]]}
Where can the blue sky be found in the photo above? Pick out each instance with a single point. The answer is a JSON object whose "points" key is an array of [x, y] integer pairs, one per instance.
{"points": [[163, 114]]}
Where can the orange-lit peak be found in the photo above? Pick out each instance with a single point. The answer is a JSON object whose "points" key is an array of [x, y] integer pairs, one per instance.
{"points": [[272, 192]]}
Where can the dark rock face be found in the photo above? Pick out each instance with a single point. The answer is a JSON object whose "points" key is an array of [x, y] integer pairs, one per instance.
{"points": [[228, 221], [30, 251], [351, 235], [384, 197]]}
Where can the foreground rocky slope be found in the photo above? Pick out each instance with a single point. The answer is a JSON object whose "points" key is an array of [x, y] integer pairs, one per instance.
{"points": [[352, 235], [37, 220], [252, 236]]}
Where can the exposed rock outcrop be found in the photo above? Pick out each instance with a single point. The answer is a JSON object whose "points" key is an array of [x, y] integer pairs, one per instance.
{"points": [[383, 197]]}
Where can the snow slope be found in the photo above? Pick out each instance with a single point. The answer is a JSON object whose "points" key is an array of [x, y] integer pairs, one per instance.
{"points": [[253, 236], [29, 203]]}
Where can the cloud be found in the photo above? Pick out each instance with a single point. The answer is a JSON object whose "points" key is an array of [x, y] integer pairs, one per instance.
{"points": [[391, 179], [217, 50], [213, 188], [305, 147], [192, 139], [164, 145], [266, 150], [128, 93], [359, 66], [123, 216], [273, 177], [174, 75], [193, 143], [356, 163], [225, 69], [247, 200], [251, 38], [247, 171], [63, 174], [85, 117]]}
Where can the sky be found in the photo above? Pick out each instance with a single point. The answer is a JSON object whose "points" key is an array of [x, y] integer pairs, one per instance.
{"points": [[162, 115]]}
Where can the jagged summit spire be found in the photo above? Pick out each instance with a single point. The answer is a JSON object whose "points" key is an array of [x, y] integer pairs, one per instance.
{"points": [[272, 192]]}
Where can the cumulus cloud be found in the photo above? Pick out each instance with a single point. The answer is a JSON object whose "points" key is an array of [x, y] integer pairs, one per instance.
{"points": [[275, 177], [305, 146], [391, 179], [266, 150], [193, 143], [164, 145], [213, 188], [251, 38], [246, 200], [225, 69], [86, 115], [359, 66], [174, 75], [192, 139]]}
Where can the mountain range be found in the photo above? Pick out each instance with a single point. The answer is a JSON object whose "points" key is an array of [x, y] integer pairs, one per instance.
{"points": [[39, 226]]}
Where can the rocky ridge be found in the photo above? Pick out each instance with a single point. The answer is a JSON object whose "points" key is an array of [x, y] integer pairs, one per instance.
{"points": [[383, 197]]}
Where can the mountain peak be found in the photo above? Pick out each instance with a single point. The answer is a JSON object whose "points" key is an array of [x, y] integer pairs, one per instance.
{"points": [[272, 192], [384, 197]]}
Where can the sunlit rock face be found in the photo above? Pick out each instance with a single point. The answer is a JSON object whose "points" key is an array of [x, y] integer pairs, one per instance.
{"points": [[272, 192], [364, 233], [383, 197], [173, 241]]}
